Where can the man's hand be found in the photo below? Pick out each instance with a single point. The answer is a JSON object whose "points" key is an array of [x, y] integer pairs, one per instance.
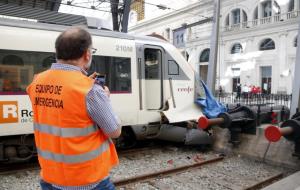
{"points": [[93, 76]]}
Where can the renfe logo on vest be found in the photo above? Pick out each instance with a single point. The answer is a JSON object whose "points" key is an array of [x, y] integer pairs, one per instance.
{"points": [[9, 112]]}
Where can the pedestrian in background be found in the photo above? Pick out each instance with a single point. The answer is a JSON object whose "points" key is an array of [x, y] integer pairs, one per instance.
{"points": [[73, 119], [245, 91]]}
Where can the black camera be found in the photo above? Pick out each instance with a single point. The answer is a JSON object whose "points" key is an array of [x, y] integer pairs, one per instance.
{"points": [[100, 79]]}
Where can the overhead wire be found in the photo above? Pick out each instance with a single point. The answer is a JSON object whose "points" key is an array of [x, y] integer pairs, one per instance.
{"points": [[69, 3], [121, 4], [176, 10]]}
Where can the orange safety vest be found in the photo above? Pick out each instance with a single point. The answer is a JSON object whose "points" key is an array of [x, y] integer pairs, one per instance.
{"points": [[72, 150]]}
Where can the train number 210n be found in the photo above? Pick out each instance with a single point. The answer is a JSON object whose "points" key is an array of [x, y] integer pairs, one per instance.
{"points": [[123, 48]]}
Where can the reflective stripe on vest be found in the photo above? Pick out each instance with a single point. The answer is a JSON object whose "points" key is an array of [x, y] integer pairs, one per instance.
{"points": [[71, 159], [65, 132]]}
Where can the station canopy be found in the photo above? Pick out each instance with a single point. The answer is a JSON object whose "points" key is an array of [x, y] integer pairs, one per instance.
{"points": [[45, 11], [51, 5]]}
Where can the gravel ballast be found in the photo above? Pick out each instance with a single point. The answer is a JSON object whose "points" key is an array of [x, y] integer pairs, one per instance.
{"points": [[234, 172]]}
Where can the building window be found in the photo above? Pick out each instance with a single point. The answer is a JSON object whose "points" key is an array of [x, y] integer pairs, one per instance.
{"points": [[267, 44], [291, 5], [236, 17], [267, 8], [179, 37], [236, 73], [236, 48], [295, 41], [227, 21], [276, 8], [204, 57], [245, 18], [266, 79], [255, 16]]}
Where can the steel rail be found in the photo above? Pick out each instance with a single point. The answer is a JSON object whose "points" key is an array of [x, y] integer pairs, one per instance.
{"points": [[148, 176], [265, 182]]}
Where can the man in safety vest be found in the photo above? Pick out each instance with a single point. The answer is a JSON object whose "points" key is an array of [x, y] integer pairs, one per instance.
{"points": [[73, 119]]}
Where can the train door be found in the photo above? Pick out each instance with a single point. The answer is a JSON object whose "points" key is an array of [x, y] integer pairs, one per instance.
{"points": [[150, 82], [153, 78]]}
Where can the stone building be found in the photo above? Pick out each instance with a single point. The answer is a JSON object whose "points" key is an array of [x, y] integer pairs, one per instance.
{"points": [[257, 43]]}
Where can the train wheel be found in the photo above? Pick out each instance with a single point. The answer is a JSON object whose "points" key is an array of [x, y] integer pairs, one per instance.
{"points": [[127, 139]]}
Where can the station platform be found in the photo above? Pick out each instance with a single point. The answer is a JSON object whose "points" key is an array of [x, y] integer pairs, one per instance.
{"points": [[291, 182]]}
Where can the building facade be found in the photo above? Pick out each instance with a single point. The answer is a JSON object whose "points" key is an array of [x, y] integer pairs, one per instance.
{"points": [[257, 42]]}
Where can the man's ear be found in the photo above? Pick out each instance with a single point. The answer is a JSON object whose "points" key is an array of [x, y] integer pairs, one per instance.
{"points": [[86, 55]]}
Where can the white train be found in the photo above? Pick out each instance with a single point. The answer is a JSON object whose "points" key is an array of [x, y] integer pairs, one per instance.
{"points": [[152, 85]]}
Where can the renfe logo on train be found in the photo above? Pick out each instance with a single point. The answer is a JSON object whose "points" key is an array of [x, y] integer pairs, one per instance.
{"points": [[9, 112]]}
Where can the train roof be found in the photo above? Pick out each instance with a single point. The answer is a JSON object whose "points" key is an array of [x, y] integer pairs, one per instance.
{"points": [[55, 27]]}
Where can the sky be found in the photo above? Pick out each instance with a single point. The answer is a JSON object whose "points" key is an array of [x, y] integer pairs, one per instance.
{"points": [[151, 11]]}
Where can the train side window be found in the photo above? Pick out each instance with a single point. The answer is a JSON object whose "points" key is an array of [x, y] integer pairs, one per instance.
{"points": [[117, 71], [17, 69], [173, 68], [152, 63], [47, 62]]}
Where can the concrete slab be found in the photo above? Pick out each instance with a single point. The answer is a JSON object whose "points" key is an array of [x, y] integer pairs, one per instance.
{"points": [[255, 146], [291, 182]]}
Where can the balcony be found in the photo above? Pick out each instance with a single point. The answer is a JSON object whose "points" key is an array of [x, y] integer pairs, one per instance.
{"points": [[263, 21]]}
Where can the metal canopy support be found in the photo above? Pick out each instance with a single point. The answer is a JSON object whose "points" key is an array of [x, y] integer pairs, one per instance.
{"points": [[114, 4], [296, 83], [120, 15], [125, 15], [213, 56]]}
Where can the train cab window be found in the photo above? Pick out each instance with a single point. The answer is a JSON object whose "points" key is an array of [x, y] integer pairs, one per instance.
{"points": [[173, 68], [117, 71], [152, 63], [17, 69]]}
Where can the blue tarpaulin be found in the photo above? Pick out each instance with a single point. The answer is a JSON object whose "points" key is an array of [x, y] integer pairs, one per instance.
{"points": [[210, 106]]}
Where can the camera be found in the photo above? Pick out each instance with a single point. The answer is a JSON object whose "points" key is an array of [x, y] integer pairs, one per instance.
{"points": [[100, 79]]}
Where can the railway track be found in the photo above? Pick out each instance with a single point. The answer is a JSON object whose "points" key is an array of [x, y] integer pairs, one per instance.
{"points": [[164, 173], [265, 182], [156, 179], [7, 169], [191, 171]]}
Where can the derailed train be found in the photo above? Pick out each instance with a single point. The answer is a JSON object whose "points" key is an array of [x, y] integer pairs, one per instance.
{"points": [[152, 88], [152, 85]]}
